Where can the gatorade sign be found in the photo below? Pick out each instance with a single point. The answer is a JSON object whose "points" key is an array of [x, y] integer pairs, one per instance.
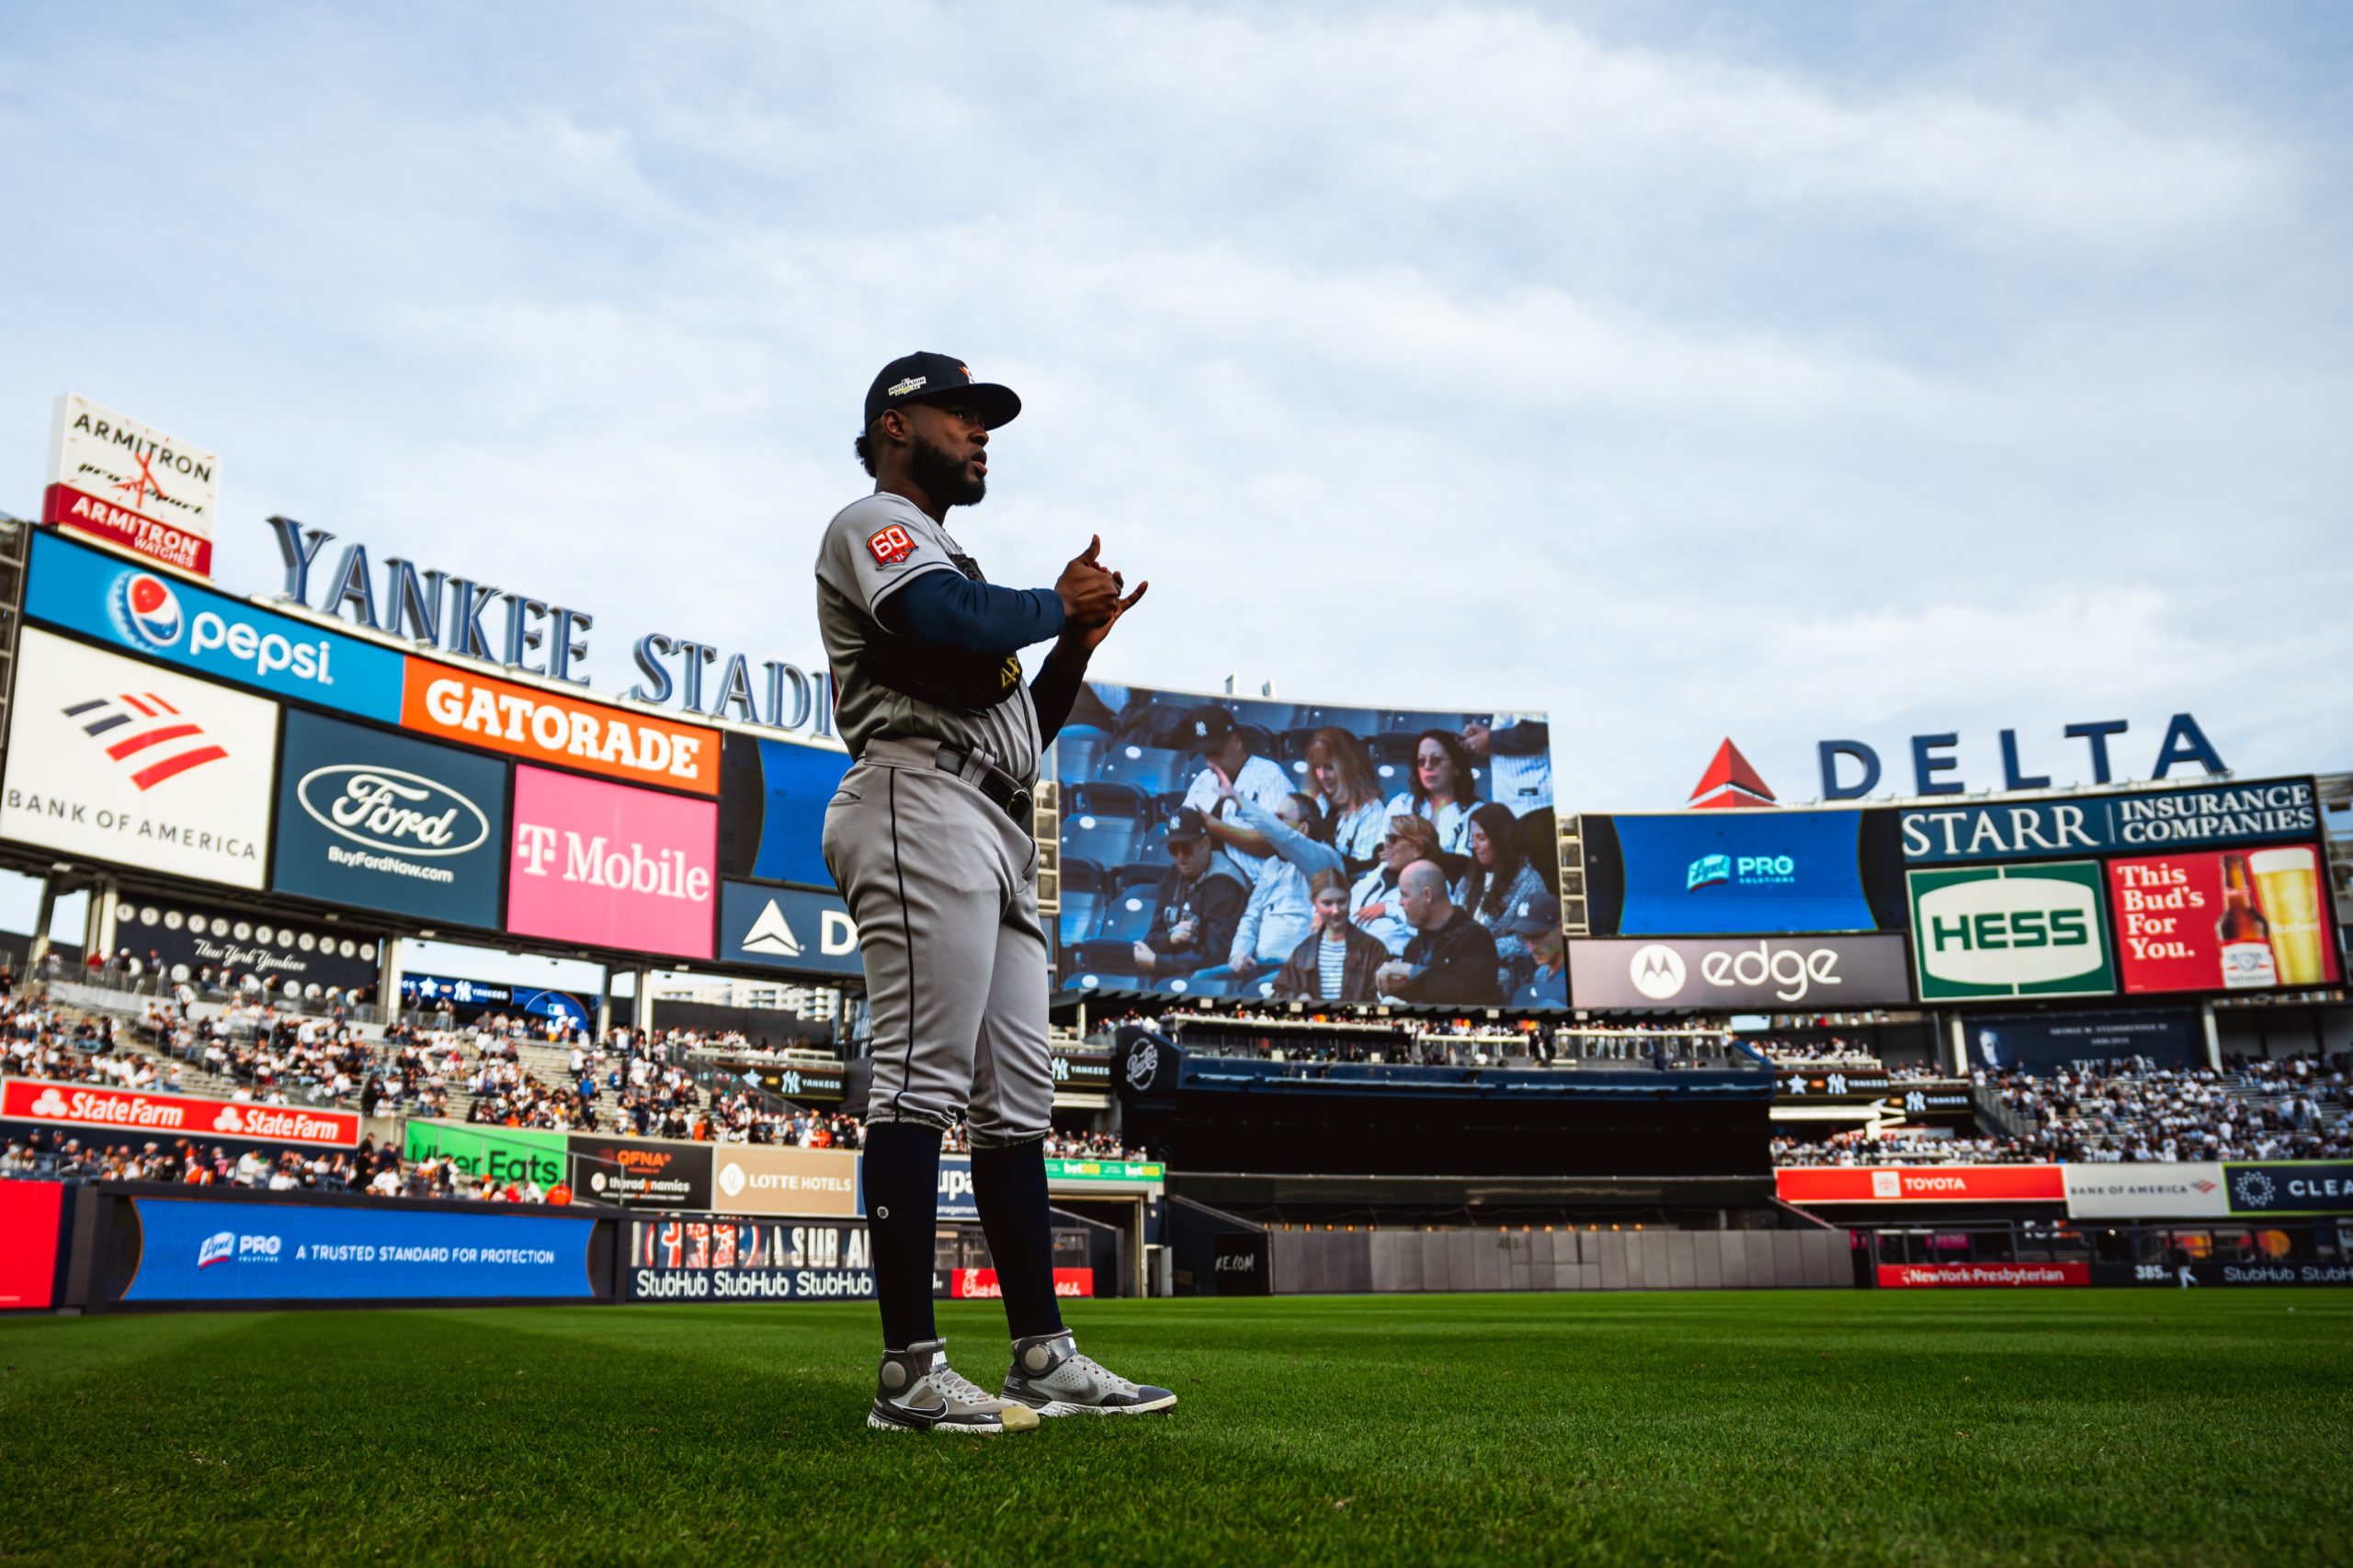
{"points": [[2010, 931]]}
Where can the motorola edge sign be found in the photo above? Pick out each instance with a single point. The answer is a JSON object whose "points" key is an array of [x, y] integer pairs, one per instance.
{"points": [[1831, 973], [383, 822]]}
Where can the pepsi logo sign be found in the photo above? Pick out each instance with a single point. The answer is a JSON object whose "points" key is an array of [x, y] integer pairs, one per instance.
{"points": [[146, 612]]}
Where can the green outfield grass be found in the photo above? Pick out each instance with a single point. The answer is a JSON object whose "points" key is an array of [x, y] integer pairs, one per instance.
{"points": [[2079, 1426]]}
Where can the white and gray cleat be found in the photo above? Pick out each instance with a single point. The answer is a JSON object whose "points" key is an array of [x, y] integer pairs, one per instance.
{"points": [[917, 1391], [1050, 1376]]}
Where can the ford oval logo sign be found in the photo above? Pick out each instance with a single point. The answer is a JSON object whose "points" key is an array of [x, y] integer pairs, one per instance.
{"points": [[384, 807]]}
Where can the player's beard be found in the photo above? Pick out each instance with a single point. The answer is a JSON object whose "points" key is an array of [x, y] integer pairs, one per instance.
{"points": [[942, 475]]}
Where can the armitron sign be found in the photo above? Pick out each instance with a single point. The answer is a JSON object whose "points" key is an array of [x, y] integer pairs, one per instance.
{"points": [[131, 484], [160, 1116]]}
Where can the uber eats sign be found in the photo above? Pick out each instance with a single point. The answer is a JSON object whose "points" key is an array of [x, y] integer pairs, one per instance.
{"points": [[2006, 931]]}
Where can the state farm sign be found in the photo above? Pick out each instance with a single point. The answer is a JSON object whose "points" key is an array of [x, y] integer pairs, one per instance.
{"points": [[1921, 1184], [180, 1116], [611, 866]]}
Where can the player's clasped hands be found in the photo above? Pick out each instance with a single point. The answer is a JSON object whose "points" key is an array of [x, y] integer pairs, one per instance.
{"points": [[1091, 593]]}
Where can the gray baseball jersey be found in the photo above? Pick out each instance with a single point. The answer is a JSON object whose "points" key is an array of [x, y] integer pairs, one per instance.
{"points": [[886, 685], [943, 884]]}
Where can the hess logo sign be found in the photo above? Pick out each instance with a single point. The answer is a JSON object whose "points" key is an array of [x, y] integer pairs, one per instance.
{"points": [[2026, 931]]}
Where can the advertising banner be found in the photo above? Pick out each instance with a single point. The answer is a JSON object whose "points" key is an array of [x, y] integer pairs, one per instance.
{"points": [[2032, 1042], [2259, 1187], [733, 1260], [131, 484], [1931, 1276], [787, 929], [1769, 973], [980, 1284], [465, 998], [2010, 931], [381, 822], [759, 1180], [162, 618], [1106, 1173], [772, 799], [1921, 1184], [956, 1200], [2186, 1276], [195, 1251], [183, 939], [2136, 820], [1082, 1069], [539, 726], [798, 1083], [2223, 920], [641, 1173], [610, 867], [30, 1212], [1242, 1263], [2190, 1190], [496, 1154], [130, 763], [136, 1113], [1726, 873]]}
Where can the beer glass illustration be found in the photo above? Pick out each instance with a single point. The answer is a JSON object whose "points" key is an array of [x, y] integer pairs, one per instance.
{"points": [[2287, 881]]}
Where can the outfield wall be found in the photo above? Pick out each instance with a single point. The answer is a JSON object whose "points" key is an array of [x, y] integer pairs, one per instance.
{"points": [[1383, 1262]]}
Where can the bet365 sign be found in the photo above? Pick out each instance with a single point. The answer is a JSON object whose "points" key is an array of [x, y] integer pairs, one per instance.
{"points": [[2007, 931]]}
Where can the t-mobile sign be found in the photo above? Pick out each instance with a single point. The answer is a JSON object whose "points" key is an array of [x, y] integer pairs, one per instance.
{"points": [[610, 866]]}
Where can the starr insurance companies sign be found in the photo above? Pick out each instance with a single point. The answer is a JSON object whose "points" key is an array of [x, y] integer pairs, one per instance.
{"points": [[131, 484]]}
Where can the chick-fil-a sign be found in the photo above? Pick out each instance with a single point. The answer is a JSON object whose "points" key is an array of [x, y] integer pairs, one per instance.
{"points": [[611, 866]]}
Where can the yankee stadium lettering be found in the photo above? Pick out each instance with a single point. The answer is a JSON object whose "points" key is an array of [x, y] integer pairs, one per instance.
{"points": [[439, 609]]}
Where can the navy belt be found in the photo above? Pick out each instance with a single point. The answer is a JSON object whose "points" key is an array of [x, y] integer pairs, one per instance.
{"points": [[1009, 794]]}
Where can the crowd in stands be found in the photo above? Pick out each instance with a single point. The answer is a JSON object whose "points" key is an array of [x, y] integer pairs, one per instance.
{"points": [[1281, 864], [2129, 1110], [1438, 1042]]}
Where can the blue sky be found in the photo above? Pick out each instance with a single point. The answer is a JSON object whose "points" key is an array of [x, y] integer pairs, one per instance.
{"points": [[1685, 371]]}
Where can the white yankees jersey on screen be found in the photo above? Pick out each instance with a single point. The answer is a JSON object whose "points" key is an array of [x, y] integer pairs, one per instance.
{"points": [[1261, 782], [890, 685]]}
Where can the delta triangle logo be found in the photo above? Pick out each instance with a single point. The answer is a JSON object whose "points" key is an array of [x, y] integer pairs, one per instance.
{"points": [[1730, 781], [771, 934]]}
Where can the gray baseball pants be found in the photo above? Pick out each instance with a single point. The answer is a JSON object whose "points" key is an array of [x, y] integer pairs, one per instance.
{"points": [[944, 888]]}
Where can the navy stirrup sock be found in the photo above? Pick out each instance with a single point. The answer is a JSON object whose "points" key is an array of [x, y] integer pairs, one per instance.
{"points": [[1009, 1186], [902, 1219]]}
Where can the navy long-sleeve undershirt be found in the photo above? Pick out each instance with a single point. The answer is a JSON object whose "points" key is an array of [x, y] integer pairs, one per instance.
{"points": [[951, 608]]}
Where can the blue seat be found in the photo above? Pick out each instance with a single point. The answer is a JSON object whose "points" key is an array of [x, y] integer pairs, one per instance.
{"points": [[1105, 955], [1102, 823], [1152, 769], [1083, 901], [1357, 722], [1208, 982], [1077, 751], [1130, 898]]}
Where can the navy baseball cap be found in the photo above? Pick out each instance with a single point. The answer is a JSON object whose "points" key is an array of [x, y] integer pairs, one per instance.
{"points": [[1205, 728], [928, 378], [1532, 917], [1187, 827]]}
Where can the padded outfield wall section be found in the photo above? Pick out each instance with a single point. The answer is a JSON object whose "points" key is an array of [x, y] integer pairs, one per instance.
{"points": [[1387, 1262]]}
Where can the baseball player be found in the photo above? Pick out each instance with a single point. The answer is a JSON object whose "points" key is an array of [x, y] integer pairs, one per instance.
{"points": [[929, 840]]}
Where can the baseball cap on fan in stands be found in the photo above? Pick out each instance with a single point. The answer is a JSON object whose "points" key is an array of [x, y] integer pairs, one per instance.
{"points": [[1533, 916], [1205, 728], [935, 378]]}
